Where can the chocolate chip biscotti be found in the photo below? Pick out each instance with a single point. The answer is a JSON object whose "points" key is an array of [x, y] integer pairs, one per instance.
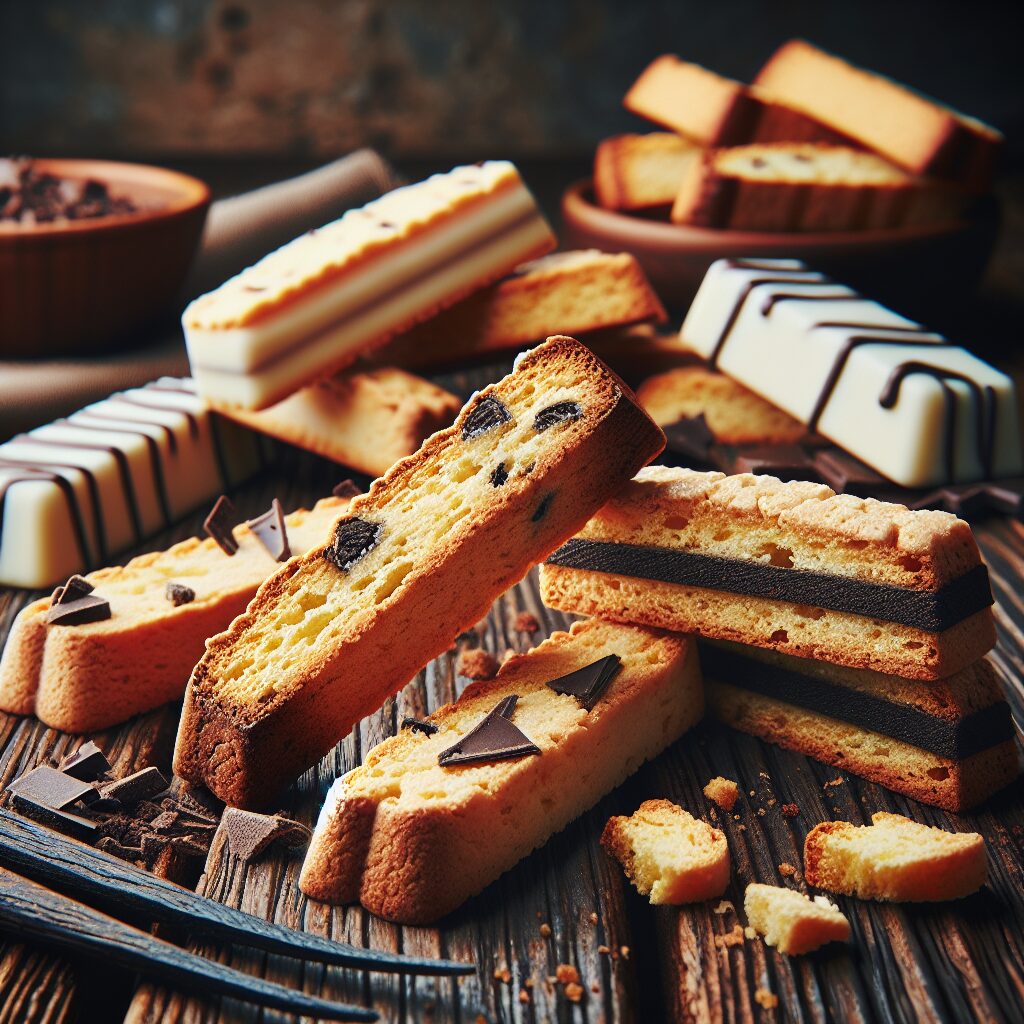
{"points": [[442, 809], [420, 557], [793, 567]]}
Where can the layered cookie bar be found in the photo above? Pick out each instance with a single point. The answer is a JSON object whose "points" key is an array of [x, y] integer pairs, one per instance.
{"points": [[422, 556], [793, 567], [902, 399], [441, 810], [950, 743], [642, 172], [76, 491], [308, 309], [162, 607]]}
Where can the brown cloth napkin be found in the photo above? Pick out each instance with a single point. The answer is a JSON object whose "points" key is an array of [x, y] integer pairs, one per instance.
{"points": [[238, 232]]}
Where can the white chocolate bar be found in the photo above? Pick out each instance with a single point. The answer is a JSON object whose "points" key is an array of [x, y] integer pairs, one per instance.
{"points": [[916, 408], [309, 308], [78, 490]]}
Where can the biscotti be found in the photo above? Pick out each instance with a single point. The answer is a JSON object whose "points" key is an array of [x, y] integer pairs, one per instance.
{"points": [[75, 492], [642, 172], [308, 309], [442, 809], [367, 419], [566, 292], [918, 133], [914, 407], [420, 557], [789, 566], [950, 743], [163, 607], [786, 186], [668, 854], [894, 859], [792, 922]]}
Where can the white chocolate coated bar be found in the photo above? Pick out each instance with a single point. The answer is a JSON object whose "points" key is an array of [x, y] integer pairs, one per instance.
{"points": [[916, 408], [78, 490], [309, 308]]}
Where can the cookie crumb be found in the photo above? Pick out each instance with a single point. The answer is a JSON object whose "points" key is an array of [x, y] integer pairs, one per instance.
{"points": [[503, 974], [593, 917], [790, 810], [477, 664], [526, 623], [566, 974], [545, 930], [749, 932], [573, 992], [524, 996], [724, 907], [595, 988], [603, 950], [837, 781], [741, 828], [723, 792], [761, 812], [732, 938], [766, 999], [624, 950], [787, 870], [508, 655], [528, 983]]}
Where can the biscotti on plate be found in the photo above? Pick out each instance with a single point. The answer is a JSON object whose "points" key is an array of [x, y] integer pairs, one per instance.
{"points": [[163, 607], [894, 859], [806, 187], [669, 854], [916, 132], [367, 418], [641, 172], [789, 566], [792, 922], [420, 557], [308, 309], [573, 293], [441, 810]]}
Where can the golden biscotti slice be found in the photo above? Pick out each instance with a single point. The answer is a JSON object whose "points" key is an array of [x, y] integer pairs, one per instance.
{"points": [[668, 853], [792, 922], [894, 859], [569, 292], [420, 557], [793, 567], [367, 419], [442, 809], [641, 172], [163, 607]]}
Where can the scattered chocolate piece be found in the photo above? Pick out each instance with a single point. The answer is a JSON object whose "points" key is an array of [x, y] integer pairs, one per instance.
{"points": [[587, 684], [786, 461], [418, 725], [271, 532], [29, 196], [220, 524], [107, 805], [87, 763], [560, 412], [499, 475], [690, 437], [477, 664], [542, 508], [526, 623], [134, 788], [249, 833], [164, 822], [70, 824], [486, 414], [52, 788], [75, 588], [353, 538], [90, 608], [346, 489], [178, 594], [494, 738]]}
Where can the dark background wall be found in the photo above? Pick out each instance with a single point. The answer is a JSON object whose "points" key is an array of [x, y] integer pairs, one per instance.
{"points": [[311, 78]]}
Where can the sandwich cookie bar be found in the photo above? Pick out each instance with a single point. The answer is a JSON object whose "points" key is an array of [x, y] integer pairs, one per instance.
{"points": [[441, 810], [76, 491], [309, 308], [900, 398], [418, 559], [950, 743], [793, 567], [79, 675]]}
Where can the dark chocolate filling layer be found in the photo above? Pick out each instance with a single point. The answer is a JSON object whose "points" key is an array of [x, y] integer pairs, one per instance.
{"points": [[928, 610], [969, 735]]}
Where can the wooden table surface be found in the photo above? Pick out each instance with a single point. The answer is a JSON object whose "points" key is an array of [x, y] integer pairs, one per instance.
{"points": [[958, 961]]}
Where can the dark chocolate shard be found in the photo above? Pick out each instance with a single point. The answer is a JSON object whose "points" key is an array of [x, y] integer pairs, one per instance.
{"points": [[346, 489], [75, 588], [486, 414], [542, 509], [52, 788], [845, 474], [560, 412], [220, 523], [107, 805], [178, 594], [786, 461], [271, 532], [499, 475], [690, 437], [70, 824], [87, 763], [589, 683], [353, 538], [249, 833], [494, 738], [419, 725], [91, 608], [134, 788]]}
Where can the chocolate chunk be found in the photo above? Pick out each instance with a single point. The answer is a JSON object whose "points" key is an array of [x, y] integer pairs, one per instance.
{"points": [[353, 538], [844, 473], [75, 588], [499, 475], [220, 523], [346, 489], [486, 414], [178, 594], [271, 532], [418, 725], [165, 822], [107, 804], [87, 763], [542, 509], [690, 437], [786, 461], [588, 684], [52, 788], [138, 786], [494, 738], [249, 833], [560, 412], [70, 824], [90, 608]]}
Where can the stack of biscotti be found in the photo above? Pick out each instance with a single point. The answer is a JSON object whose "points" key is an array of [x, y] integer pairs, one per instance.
{"points": [[849, 629]]}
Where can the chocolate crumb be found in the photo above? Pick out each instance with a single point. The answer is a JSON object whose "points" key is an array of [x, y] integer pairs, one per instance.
{"points": [[477, 664], [560, 412], [178, 594], [542, 509], [419, 725], [353, 539], [486, 413], [499, 475]]}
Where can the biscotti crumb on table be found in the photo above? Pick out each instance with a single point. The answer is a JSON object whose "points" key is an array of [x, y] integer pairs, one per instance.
{"points": [[418, 559], [669, 854], [432, 816], [894, 859], [476, 663], [792, 922], [723, 792], [765, 998], [641, 172]]}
